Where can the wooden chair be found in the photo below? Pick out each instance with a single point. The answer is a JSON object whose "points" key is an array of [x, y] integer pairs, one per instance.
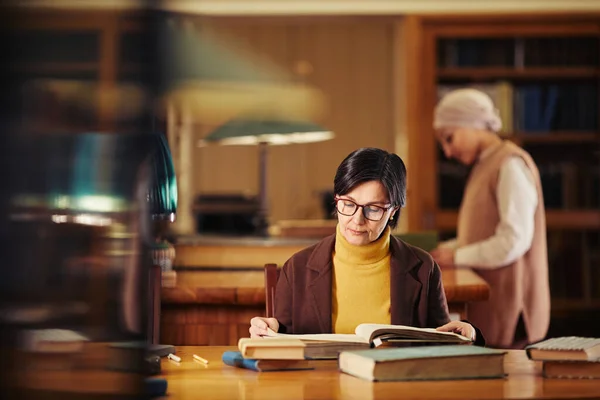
{"points": [[271, 277]]}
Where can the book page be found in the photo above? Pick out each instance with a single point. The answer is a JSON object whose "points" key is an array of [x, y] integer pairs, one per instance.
{"points": [[371, 331], [326, 337]]}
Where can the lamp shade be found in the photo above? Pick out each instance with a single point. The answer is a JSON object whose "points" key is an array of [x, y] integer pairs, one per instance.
{"points": [[102, 160], [272, 132]]}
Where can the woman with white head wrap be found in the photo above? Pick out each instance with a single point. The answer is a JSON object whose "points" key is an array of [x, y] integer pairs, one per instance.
{"points": [[501, 231]]}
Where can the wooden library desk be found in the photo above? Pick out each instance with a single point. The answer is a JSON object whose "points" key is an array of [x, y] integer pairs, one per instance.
{"points": [[191, 379]]}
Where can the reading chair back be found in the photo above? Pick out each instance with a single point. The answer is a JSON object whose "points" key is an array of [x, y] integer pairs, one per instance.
{"points": [[271, 277]]}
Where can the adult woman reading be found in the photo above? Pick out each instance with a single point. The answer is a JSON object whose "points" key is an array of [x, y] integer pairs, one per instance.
{"points": [[362, 273]]}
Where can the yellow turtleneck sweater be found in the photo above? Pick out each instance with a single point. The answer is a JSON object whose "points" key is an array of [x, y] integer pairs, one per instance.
{"points": [[361, 283]]}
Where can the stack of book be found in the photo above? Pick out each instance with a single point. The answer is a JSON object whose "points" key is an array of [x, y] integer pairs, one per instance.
{"points": [[284, 351], [568, 357], [268, 355]]}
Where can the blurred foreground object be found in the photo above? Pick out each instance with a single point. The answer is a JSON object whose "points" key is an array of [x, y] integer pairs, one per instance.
{"points": [[162, 203], [74, 230]]}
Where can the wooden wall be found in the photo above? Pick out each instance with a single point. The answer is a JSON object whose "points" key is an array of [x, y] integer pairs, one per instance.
{"points": [[350, 60]]}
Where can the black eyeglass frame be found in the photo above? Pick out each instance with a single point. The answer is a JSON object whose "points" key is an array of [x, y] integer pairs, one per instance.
{"points": [[362, 207]]}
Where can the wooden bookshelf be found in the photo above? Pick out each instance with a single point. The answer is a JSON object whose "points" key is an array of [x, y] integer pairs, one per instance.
{"points": [[485, 73], [73, 46], [568, 305], [557, 137]]}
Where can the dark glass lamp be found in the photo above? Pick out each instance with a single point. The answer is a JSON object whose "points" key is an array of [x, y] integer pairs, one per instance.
{"points": [[162, 207]]}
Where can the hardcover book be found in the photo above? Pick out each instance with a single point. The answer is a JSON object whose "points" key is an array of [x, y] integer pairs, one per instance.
{"points": [[235, 359], [424, 363]]}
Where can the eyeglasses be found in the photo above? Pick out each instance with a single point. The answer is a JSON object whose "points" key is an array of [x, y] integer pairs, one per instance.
{"points": [[371, 212]]}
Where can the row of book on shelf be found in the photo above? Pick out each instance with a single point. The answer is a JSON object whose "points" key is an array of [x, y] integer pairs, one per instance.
{"points": [[571, 51], [565, 185], [540, 108], [379, 352]]}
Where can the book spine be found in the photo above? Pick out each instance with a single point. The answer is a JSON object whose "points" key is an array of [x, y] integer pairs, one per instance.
{"points": [[235, 359]]}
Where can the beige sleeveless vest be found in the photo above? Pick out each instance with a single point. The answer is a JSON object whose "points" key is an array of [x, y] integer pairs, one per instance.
{"points": [[520, 287]]}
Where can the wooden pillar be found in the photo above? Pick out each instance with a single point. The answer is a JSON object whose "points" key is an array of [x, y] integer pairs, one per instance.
{"points": [[407, 96]]}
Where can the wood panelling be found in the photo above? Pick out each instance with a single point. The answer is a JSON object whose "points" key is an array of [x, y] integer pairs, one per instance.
{"points": [[233, 256], [350, 61], [207, 325]]}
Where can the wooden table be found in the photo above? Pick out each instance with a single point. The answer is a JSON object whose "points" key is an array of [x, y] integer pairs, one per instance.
{"points": [[191, 379], [220, 287]]}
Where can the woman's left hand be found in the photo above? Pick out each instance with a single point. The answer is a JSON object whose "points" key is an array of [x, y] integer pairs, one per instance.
{"points": [[444, 257], [459, 327]]}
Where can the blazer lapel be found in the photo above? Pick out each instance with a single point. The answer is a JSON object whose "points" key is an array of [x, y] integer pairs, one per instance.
{"points": [[405, 289], [319, 285]]}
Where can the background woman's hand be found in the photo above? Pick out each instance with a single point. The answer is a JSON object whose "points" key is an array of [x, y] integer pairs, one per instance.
{"points": [[444, 257], [259, 325], [459, 327]]}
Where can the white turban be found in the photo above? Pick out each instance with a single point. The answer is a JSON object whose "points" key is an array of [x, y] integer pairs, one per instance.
{"points": [[467, 108]]}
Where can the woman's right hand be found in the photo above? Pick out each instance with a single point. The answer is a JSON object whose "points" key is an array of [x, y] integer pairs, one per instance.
{"points": [[259, 325]]}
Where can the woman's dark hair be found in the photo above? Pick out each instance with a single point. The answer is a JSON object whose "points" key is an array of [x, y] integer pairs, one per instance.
{"points": [[371, 164]]}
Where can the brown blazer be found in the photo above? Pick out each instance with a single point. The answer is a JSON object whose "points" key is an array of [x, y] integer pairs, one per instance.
{"points": [[303, 295]]}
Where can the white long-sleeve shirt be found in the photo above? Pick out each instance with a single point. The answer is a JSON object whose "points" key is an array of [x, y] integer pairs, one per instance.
{"points": [[517, 199]]}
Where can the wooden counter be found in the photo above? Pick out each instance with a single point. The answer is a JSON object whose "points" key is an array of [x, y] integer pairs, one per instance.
{"points": [[220, 287], [189, 379]]}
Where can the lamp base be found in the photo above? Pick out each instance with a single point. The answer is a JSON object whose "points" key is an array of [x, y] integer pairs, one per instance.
{"points": [[161, 350]]}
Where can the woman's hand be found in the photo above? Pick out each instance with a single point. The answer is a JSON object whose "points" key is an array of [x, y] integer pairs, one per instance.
{"points": [[459, 327], [259, 325], [444, 257]]}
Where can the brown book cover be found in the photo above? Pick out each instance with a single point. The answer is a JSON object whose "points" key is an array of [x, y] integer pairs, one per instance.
{"points": [[235, 359], [272, 349], [567, 348], [572, 369]]}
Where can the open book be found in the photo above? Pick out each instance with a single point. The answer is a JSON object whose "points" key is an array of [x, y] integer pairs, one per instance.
{"points": [[328, 345]]}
